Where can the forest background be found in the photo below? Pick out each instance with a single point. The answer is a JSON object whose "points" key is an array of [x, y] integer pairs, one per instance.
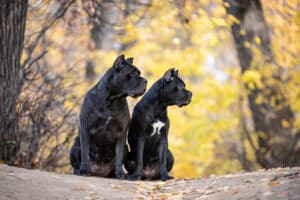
{"points": [[239, 58]]}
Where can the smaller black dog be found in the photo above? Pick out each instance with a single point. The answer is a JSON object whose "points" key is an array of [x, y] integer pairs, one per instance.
{"points": [[150, 157], [100, 147]]}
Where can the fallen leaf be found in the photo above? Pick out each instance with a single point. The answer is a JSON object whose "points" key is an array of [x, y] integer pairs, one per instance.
{"points": [[16, 176], [267, 193], [11, 174], [235, 191], [157, 187], [82, 188], [224, 188], [187, 191], [119, 187], [264, 180], [273, 183], [163, 196], [212, 176], [152, 195], [210, 187], [202, 197], [209, 192], [250, 180]]}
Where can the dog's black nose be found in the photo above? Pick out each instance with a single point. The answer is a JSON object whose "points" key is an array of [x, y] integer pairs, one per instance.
{"points": [[190, 94]]}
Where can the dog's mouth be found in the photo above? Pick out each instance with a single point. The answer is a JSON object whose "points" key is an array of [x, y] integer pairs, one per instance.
{"points": [[138, 91], [184, 102]]}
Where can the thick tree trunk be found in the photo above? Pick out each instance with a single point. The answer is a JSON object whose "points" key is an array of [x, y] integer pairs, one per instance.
{"points": [[12, 28], [272, 121]]}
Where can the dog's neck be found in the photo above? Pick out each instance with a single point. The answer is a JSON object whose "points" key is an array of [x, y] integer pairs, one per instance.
{"points": [[152, 104], [107, 101], [154, 98], [102, 86]]}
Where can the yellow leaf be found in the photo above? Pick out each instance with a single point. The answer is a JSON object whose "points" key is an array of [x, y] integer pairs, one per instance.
{"points": [[273, 183], [285, 123], [247, 44], [252, 78], [242, 32], [226, 4], [257, 40]]}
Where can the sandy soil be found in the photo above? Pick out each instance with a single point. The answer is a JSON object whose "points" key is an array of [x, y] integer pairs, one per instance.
{"points": [[23, 184]]}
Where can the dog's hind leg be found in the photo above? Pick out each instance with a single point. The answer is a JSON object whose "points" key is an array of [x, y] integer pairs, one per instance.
{"points": [[130, 166], [153, 172], [75, 157], [170, 160]]}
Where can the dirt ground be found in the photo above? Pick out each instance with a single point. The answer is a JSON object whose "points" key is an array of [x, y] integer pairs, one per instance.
{"points": [[23, 184]]}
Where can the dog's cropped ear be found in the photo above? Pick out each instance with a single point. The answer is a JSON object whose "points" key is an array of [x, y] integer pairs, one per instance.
{"points": [[129, 60], [168, 75], [118, 64], [176, 72]]}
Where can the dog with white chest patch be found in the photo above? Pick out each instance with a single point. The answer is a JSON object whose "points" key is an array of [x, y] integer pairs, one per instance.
{"points": [[149, 156]]}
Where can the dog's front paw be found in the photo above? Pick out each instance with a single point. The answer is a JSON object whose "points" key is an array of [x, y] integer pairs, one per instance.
{"points": [[76, 172], [135, 176], [170, 177], [85, 169], [120, 175], [165, 176]]}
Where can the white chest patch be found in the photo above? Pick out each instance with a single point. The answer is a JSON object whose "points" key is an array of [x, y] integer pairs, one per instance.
{"points": [[156, 127]]}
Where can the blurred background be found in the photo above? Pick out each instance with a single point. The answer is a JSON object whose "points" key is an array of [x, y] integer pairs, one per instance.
{"points": [[240, 58]]}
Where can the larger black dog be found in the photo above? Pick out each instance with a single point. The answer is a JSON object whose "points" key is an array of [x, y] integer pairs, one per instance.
{"points": [[104, 119], [150, 157]]}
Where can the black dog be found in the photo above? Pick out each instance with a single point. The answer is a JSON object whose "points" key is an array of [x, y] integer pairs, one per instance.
{"points": [[150, 157], [104, 119]]}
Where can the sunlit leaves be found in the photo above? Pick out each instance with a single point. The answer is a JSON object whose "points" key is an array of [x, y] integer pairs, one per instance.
{"points": [[252, 78], [168, 34], [164, 40]]}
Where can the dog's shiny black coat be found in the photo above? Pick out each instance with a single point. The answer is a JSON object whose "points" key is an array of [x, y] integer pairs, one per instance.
{"points": [[149, 156], [104, 118]]}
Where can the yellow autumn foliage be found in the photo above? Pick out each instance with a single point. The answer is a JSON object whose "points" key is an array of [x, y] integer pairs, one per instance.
{"points": [[252, 78], [203, 52]]}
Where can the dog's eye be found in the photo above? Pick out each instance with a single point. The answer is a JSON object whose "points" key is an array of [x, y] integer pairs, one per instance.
{"points": [[180, 86], [128, 77]]}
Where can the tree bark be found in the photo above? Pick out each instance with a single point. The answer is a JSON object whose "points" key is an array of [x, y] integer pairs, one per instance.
{"points": [[277, 142], [12, 28], [102, 33]]}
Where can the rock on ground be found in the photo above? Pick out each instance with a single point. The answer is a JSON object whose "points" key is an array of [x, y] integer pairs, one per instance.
{"points": [[23, 184]]}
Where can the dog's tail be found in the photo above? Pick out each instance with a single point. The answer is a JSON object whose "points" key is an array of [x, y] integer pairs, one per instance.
{"points": [[130, 166]]}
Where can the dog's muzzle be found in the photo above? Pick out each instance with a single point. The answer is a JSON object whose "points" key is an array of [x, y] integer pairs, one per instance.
{"points": [[140, 89], [186, 99]]}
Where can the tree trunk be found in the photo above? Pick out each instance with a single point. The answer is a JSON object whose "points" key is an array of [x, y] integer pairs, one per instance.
{"points": [[102, 33], [277, 143], [12, 28]]}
